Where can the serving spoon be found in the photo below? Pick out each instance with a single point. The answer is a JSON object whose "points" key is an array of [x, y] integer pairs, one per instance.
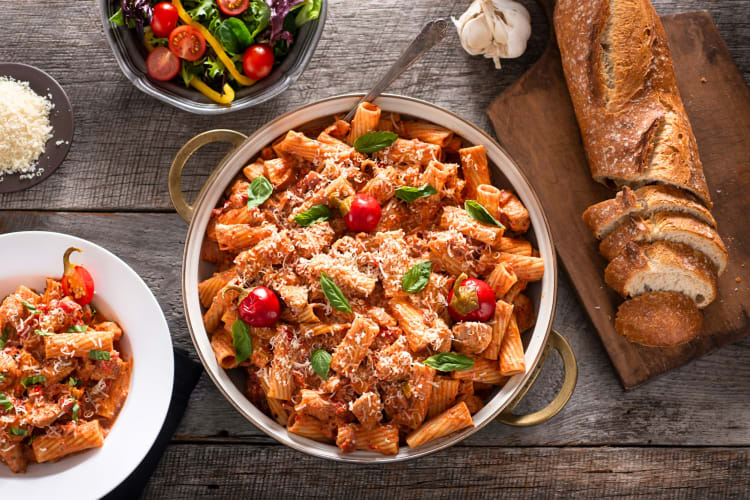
{"points": [[431, 34]]}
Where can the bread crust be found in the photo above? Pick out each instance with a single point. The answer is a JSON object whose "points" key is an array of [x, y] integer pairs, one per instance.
{"points": [[667, 226], [622, 83], [659, 319], [604, 217], [637, 258]]}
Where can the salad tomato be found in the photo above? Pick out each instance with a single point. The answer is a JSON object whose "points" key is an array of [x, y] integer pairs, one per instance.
{"points": [[258, 61], [471, 300], [76, 281], [364, 213], [260, 308], [187, 42], [164, 19], [233, 7], [162, 65]]}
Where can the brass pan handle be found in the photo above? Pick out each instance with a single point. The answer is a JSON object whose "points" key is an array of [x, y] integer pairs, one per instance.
{"points": [[558, 343], [175, 171]]}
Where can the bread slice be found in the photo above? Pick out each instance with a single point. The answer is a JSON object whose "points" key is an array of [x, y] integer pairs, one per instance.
{"points": [[605, 217], [659, 319], [662, 266], [668, 226]]}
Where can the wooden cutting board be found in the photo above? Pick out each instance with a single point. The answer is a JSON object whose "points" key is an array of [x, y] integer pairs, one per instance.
{"points": [[534, 120]]}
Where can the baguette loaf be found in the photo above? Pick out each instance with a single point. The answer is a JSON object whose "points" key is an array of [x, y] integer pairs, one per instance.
{"points": [[622, 83], [662, 266], [668, 226], [659, 319], [606, 216]]}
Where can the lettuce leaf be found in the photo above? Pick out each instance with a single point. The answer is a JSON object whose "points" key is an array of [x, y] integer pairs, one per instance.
{"points": [[257, 17], [310, 10], [279, 10]]}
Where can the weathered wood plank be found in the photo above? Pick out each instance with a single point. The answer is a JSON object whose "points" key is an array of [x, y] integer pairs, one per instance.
{"points": [[246, 471], [125, 140], [677, 409]]}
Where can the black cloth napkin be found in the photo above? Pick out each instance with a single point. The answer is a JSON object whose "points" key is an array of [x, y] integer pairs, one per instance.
{"points": [[186, 375]]}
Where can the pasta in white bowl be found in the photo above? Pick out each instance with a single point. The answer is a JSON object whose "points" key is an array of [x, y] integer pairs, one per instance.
{"points": [[120, 324]]}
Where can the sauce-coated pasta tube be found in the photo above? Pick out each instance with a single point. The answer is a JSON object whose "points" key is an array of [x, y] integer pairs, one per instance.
{"points": [[452, 420], [73, 438], [365, 120], [66, 345], [476, 170]]}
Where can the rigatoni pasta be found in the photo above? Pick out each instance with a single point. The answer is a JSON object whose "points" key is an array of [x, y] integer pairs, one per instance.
{"points": [[63, 380], [365, 346]]}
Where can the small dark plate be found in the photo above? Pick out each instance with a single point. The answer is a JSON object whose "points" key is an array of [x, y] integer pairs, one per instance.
{"points": [[60, 117]]}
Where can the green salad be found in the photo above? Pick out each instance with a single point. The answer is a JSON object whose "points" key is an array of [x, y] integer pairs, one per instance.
{"points": [[215, 46]]}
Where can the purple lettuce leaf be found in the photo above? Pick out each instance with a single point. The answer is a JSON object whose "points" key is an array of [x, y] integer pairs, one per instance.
{"points": [[279, 10]]}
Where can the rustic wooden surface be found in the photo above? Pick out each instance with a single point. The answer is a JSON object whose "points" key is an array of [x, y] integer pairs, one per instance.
{"points": [[686, 434], [717, 100]]}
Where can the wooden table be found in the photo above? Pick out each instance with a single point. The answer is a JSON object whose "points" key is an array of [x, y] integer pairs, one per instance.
{"points": [[685, 434]]}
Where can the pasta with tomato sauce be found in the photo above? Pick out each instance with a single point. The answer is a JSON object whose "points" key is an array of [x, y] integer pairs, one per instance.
{"points": [[370, 282], [63, 379]]}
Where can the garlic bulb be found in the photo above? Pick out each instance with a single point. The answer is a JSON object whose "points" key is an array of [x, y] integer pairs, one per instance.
{"points": [[495, 28]]}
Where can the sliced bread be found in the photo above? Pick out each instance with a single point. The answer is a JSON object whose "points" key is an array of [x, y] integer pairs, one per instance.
{"points": [[662, 266], [605, 217], [668, 226], [659, 319]]}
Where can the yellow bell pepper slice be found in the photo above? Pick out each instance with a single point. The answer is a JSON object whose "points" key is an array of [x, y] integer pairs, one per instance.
{"points": [[242, 79], [226, 98], [147, 37]]}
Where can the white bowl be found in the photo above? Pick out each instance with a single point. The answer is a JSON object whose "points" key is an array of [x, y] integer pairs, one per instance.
{"points": [[30, 257], [505, 174]]}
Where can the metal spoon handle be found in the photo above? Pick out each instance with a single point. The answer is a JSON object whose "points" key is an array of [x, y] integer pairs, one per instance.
{"points": [[431, 34]]}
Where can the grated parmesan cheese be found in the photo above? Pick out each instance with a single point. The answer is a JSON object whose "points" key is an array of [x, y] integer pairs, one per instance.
{"points": [[24, 127]]}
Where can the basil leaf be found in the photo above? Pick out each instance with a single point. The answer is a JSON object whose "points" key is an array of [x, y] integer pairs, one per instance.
{"points": [[410, 194], [32, 308], [317, 213], [36, 379], [76, 408], [243, 344], [416, 278], [5, 402], [72, 381], [18, 432], [449, 361], [374, 141], [321, 362], [99, 355], [258, 192], [2, 377], [4, 338], [479, 213], [335, 296], [43, 333], [77, 329]]}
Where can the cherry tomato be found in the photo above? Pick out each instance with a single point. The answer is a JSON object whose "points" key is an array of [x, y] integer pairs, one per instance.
{"points": [[260, 307], [470, 290], [162, 65], [76, 280], [258, 61], [164, 19], [233, 7], [187, 42], [364, 213]]}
